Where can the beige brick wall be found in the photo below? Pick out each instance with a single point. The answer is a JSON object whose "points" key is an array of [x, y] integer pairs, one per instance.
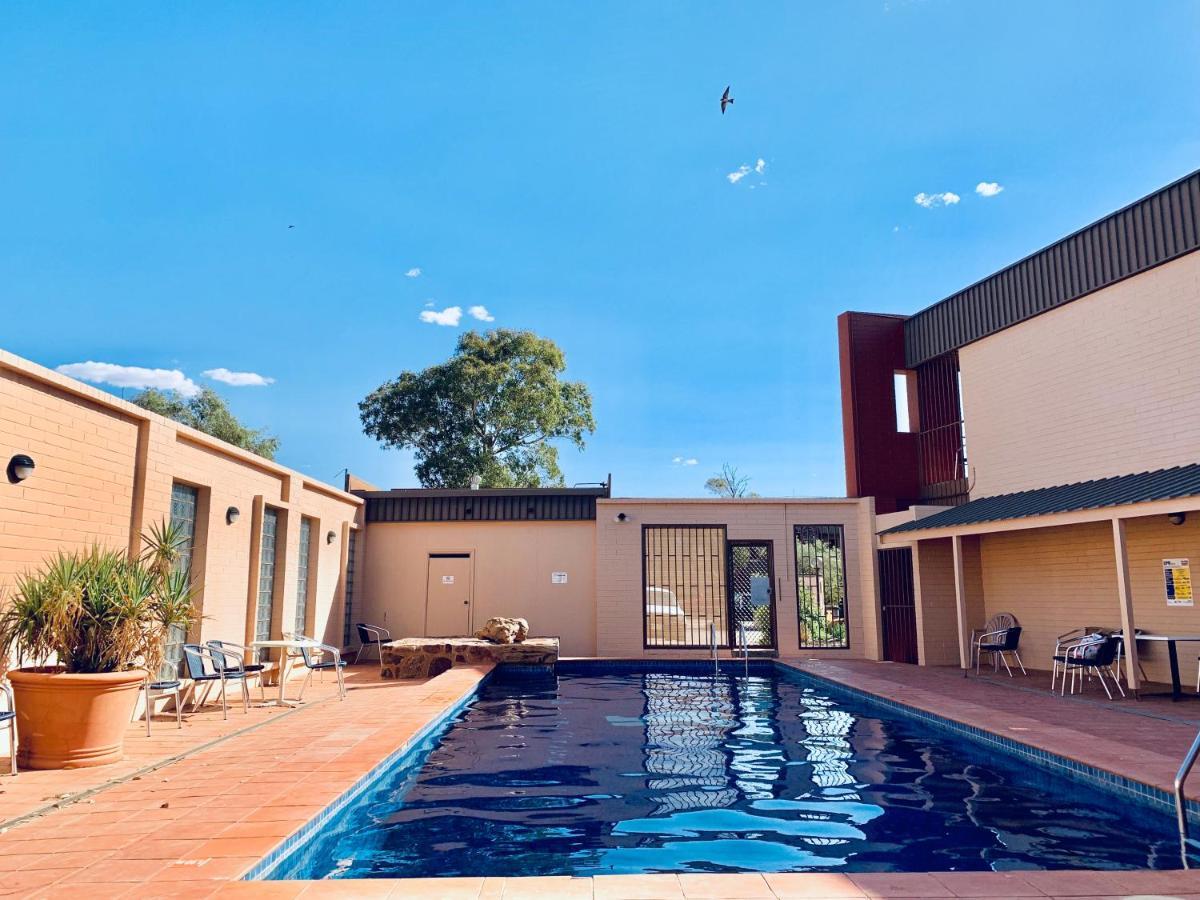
{"points": [[104, 474], [1102, 386], [619, 588]]}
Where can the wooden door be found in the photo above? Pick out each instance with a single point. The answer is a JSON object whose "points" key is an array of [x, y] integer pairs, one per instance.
{"points": [[448, 595]]}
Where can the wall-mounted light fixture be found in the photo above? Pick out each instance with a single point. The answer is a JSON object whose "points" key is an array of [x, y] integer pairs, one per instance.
{"points": [[20, 467], [331, 537], [621, 517], [1177, 518], [232, 515]]}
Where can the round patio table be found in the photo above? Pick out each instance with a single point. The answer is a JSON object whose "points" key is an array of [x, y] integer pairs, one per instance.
{"points": [[1171, 640], [284, 662]]}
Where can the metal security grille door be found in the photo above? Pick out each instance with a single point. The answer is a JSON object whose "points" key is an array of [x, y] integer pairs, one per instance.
{"points": [[684, 585], [302, 576], [184, 499], [898, 604], [751, 593], [821, 587], [265, 608], [348, 605]]}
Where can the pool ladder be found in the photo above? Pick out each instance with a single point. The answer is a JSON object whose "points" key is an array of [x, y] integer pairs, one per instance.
{"points": [[1186, 842], [712, 634]]}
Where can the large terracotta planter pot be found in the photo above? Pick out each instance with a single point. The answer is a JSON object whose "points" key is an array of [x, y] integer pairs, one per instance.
{"points": [[72, 721]]}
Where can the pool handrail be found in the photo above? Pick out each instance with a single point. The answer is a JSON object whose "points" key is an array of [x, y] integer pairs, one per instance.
{"points": [[1185, 769]]}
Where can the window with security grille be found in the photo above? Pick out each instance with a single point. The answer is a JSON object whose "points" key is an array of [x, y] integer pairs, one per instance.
{"points": [[302, 567], [684, 590], [348, 603], [184, 499], [265, 607], [821, 587]]}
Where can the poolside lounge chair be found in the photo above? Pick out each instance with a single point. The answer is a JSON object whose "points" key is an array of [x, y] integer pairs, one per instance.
{"points": [[8, 718], [371, 636], [194, 656], [999, 643], [1092, 653]]}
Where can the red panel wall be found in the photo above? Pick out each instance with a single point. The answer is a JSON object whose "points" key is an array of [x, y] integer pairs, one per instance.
{"points": [[880, 461]]}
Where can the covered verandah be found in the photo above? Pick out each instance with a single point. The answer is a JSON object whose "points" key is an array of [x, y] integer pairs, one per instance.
{"points": [[1094, 554]]}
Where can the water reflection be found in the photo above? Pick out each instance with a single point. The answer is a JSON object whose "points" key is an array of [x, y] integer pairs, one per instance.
{"points": [[668, 772]]}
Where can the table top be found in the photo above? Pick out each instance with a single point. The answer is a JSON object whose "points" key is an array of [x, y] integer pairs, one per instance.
{"points": [[1168, 637], [286, 643]]}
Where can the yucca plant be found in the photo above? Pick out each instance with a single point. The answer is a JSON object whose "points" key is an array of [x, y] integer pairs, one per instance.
{"points": [[101, 610]]}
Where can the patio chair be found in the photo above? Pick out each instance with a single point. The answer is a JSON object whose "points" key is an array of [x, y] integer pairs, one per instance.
{"points": [[8, 718], [194, 656], [1120, 633], [1063, 643], [314, 661], [371, 636], [998, 622], [228, 650], [154, 689], [999, 643], [1093, 653]]}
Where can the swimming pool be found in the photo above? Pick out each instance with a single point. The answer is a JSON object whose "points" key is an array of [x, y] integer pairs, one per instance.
{"points": [[598, 771]]}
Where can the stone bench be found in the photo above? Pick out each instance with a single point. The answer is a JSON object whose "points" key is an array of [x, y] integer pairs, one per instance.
{"points": [[426, 657]]}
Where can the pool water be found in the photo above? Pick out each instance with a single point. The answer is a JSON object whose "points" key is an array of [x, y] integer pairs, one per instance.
{"points": [[591, 774]]}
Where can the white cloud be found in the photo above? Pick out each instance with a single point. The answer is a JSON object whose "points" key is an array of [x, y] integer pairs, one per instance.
{"points": [[685, 461], [238, 379], [929, 201], [760, 166], [414, 272], [481, 313], [988, 188], [451, 316], [131, 377], [735, 177]]}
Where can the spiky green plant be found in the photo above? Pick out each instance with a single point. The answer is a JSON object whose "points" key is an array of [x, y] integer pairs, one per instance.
{"points": [[101, 610]]}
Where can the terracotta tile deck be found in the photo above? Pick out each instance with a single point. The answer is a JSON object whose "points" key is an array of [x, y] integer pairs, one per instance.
{"points": [[209, 804]]}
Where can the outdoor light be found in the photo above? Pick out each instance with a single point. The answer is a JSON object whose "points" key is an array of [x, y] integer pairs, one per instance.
{"points": [[1177, 518], [331, 537], [622, 517], [20, 467], [232, 515]]}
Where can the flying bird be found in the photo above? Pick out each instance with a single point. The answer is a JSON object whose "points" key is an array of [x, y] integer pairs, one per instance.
{"points": [[291, 226], [725, 100]]}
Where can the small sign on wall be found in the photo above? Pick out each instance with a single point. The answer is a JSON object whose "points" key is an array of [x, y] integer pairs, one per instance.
{"points": [[447, 579], [1177, 578], [558, 577]]}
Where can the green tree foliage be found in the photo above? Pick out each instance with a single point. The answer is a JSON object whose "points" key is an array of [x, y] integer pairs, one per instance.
{"points": [[490, 410], [208, 413]]}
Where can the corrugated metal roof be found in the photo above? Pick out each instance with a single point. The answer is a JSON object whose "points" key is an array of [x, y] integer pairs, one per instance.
{"points": [[484, 505], [1152, 231], [1120, 490]]}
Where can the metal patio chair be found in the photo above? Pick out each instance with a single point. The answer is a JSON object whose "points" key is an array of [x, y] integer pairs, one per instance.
{"points": [[8, 718], [999, 643], [314, 661], [1063, 643], [998, 622], [194, 656], [1095, 653], [162, 688], [228, 650], [371, 636]]}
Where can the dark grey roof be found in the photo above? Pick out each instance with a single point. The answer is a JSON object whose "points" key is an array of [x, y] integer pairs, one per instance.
{"points": [[1120, 490], [1152, 231], [483, 505]]}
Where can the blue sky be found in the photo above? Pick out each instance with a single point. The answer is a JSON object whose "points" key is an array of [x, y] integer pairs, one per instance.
{"points": [[565, 166]]}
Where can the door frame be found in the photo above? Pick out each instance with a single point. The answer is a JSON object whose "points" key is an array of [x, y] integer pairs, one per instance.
{"points": [[909, 635], [730, 543], [449, 554]]}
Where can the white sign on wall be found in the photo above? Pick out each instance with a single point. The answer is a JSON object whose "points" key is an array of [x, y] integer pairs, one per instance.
{"points": [[447, 579], [558, 577], [1177, 579]]}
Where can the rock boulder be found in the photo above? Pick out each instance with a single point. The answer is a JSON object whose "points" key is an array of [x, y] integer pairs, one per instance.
{"points": [[503, 630]]}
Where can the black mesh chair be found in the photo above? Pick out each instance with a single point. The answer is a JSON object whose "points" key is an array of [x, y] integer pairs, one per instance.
{"points": [[1096, 653], [195, 656], [235, 654], [314, 660], [999, 643], [8, 718], [371, 636]]}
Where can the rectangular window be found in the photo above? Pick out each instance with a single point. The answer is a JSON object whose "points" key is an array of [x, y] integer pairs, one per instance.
{"points": [[684, 593], [184, 500], [904, 385], [265, 607], [348, 607], [821, 587], [302, 576]]}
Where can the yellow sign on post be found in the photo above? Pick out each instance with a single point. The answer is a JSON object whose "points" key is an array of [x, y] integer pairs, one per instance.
{"points": [[1177, 577]]}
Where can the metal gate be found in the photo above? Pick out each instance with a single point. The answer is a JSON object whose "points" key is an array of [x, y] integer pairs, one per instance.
{"points": [[751, 578], [898, 604]]}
